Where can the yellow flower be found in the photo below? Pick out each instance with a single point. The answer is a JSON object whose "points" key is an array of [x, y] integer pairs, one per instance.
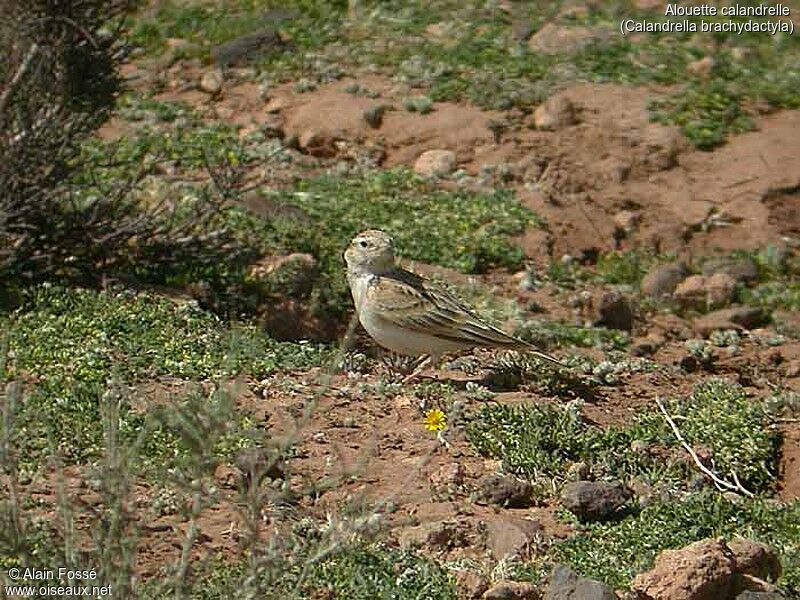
{"points": [[435, 420]]}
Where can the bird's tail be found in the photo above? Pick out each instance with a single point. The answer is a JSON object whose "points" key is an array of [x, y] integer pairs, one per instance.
{"points": [[531, 349]]}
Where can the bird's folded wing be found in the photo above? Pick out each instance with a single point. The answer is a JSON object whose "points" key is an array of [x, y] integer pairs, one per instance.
{"points": [[408, 302]]}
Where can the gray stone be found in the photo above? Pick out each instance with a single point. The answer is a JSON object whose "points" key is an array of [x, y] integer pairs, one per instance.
{"points": [[374, 115], [438, 536], [435, 162], [615, 311], [566, 585], [247, 48], [512, 590], [554, 113], [662, 280], [471, 585], [505, 491], [211, 81], [512, 538], [558, 39], [743, 270], [705, 291], [594, 500]]}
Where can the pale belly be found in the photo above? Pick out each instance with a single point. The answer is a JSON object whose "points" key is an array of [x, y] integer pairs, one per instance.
{"points": [[402, 341]]}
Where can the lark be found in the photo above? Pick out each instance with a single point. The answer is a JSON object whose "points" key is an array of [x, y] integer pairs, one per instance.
{"points": [[410, 315]]}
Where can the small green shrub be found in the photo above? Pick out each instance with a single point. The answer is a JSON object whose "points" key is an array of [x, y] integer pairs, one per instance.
{"points": [[542, 440]]}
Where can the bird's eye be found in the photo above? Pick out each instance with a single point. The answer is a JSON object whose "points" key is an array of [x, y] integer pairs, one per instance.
{"points": [[363, 244]]}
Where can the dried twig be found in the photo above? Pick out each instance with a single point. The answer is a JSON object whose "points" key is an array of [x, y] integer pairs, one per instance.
{"points": [[718, 481]]}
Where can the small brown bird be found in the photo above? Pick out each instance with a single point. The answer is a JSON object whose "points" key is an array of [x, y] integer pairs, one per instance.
{"points": [[409, 315]]}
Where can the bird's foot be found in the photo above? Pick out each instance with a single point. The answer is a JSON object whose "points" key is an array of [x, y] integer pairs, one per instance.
{"points": [[423, 364]]}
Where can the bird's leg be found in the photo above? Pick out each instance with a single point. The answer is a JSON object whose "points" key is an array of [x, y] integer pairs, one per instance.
{"points": [[427, 361]]}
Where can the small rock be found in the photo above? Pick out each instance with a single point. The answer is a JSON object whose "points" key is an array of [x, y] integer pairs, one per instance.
{"points": [[554, 113], [247, 48], [701, 291], [627, 220], [756, 559], [737, 317], [374, 115], [701, 68], [211, 81], [594, 500], [471, 585], [505, 491], [662, 280], [512, 590], [565, 584], [615, 311], [703, 570], [512, 538], [661, 145], [443, 535], [558, 39], [720, 289], [647, 346], [435, 163], [743, 270], [691, 292]]}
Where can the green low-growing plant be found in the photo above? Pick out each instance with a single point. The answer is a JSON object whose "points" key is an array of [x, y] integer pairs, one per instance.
{"points": [[706, 113], [626, 267], [543, 440], [363, 573], [774, 295], [358, 570], [616, 552], [67, 344]]}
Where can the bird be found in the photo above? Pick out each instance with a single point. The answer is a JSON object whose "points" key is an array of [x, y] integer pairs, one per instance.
{"points": [[410, 315]]}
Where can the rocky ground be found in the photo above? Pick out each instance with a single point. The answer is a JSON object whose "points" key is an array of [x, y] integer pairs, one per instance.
{"points": [[660, 266]]}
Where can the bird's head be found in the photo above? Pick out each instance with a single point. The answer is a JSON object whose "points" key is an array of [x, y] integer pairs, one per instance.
{"points": [[371, 251]]}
